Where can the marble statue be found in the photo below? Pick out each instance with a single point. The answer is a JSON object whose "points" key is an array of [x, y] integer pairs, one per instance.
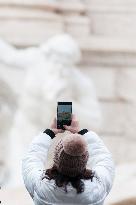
{"points": [[7, 110], [51, 75]]}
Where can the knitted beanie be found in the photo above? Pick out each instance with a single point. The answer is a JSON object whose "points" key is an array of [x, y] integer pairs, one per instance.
{"points": [[71, 155]]}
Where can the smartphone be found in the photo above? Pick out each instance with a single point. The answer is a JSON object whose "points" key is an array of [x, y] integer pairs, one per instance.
{"points": [[64, 114]]}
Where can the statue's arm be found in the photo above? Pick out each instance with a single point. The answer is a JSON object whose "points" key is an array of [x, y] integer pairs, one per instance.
{"points": [[14, 57]]}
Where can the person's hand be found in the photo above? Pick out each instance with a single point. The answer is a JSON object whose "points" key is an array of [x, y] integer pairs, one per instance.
{"points": [[74, 127], [54, 127]]}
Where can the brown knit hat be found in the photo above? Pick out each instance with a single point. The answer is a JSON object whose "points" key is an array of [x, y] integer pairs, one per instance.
{"points": [[71, 155]]}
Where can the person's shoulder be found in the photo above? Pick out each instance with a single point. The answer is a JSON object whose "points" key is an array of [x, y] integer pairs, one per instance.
{"points": [[94, 191], [44, 187]]}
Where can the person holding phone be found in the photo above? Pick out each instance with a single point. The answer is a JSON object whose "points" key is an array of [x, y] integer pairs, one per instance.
{"points": [[69, 181]]}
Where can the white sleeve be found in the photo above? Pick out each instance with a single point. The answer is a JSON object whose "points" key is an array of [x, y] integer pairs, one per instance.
{"points": [[100, 160], [33, 163]]}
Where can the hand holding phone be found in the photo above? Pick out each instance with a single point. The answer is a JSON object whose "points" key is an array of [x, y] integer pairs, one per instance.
{"points": [[74, 127], [54, 127]]}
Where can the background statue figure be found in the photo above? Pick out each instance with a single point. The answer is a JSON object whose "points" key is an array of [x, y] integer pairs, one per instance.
{"points": [[51, 76], [7, 109]]}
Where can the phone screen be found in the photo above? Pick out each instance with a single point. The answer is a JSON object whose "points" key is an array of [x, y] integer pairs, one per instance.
{"points": [[64, 112]]}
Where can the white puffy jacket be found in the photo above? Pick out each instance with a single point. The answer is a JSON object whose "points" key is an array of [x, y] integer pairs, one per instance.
{"points": [[45, 192]]}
